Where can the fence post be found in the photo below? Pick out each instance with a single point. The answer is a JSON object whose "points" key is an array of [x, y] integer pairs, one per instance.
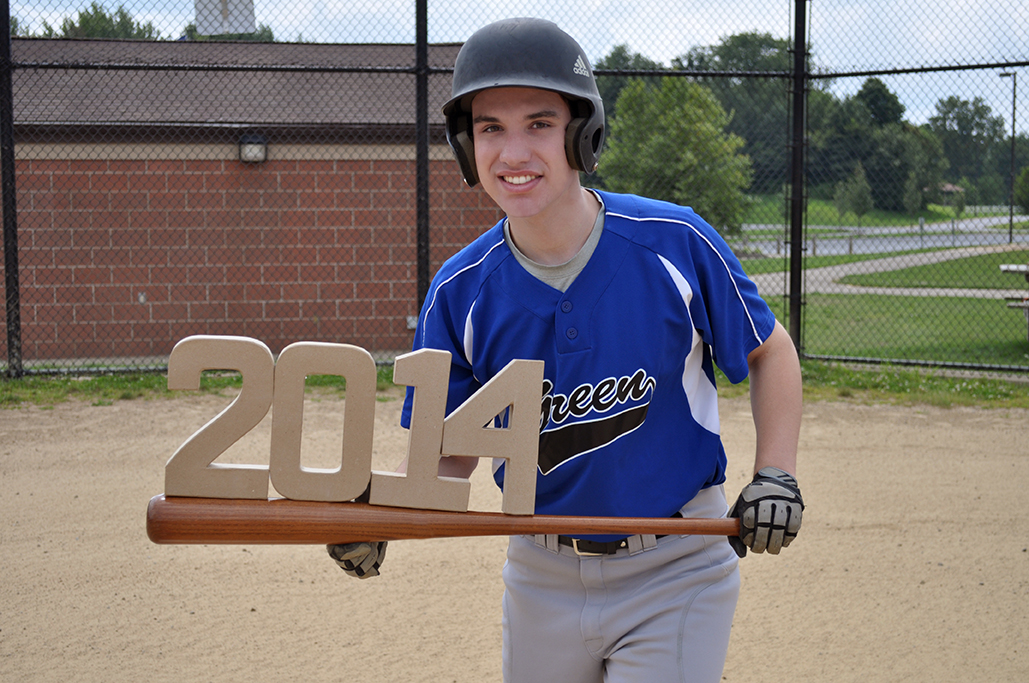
{"points": [[422, 145], [9, 197], [797, 144]]}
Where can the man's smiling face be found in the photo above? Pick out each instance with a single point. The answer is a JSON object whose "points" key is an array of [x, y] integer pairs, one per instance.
{"points": [[519, 136]]}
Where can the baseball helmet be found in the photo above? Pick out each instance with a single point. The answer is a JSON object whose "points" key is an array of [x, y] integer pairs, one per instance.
{"points": [[529, 53]]}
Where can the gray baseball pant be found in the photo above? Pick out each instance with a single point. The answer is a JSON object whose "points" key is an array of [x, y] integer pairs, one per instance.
{"points": [[659, 611]]}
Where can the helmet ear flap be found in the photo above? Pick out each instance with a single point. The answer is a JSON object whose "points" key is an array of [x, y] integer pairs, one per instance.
{"points": [[573, 148], [583, 143], [459, 135]]}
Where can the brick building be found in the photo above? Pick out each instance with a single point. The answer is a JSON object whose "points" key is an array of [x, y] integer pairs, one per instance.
{"points": [[139, 224]]}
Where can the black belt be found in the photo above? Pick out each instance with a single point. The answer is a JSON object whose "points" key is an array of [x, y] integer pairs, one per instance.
{"points": [[586, 547]]}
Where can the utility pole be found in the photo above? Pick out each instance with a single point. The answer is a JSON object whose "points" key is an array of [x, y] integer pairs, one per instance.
{"points": [[1011, 183]]}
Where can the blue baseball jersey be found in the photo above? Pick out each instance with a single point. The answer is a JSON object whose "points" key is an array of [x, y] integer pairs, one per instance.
{"points": [[629, 412]]}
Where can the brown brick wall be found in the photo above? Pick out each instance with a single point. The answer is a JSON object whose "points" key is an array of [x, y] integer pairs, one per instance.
{"points": [[123, 257]]}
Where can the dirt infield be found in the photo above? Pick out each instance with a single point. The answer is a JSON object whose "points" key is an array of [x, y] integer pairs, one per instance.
{"points": [[912, 564]]}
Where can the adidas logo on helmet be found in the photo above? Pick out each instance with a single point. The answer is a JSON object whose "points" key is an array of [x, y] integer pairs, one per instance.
{"points": [[580, 67]]}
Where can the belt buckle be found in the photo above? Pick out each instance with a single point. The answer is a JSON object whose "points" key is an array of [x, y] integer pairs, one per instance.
{"points": [[584, 553]]}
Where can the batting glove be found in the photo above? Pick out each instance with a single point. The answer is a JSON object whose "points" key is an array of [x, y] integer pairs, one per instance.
{"points": [[770, 510], [359, 559]]}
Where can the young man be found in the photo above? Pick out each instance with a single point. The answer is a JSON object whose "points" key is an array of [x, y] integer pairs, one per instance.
{"points": [[628, 301]]}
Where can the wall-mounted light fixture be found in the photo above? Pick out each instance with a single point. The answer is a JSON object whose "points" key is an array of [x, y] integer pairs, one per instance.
{"points": [[253, 148]]}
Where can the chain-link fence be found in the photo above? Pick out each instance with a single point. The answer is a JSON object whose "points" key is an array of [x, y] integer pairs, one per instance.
{"points": [[914, 146], [240, 167]]}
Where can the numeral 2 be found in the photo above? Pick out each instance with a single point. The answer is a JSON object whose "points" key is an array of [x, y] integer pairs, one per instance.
{"points": [[190, 471]]}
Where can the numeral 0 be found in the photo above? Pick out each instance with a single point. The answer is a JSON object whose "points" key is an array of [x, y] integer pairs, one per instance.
{"points": [[191, 471]]}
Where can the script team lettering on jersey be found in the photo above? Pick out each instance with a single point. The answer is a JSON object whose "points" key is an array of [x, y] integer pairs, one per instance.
{"points": [[584, 410]]}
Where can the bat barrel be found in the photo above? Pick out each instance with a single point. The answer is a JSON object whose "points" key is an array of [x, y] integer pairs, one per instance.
{"points": [[284, 521]]}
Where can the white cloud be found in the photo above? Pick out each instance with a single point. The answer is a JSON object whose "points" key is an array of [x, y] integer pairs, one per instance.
{"points": [[870, 34]]}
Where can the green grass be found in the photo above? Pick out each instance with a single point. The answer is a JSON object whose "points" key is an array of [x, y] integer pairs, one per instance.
{"points": [[907, 386], [822, 381], [98, 390], [952, 329], [105, 390], [955, 329], [976, 272], [871, 384]]}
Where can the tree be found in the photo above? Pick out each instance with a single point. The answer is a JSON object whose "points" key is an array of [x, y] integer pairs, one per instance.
{"points": [[17, 29], [970, 193], [887, 164], [925, 158], [970, 135], [912, 194], [883, 106], [841, 132], [620, 59], [958, 202], [869, 127], [860, 193], [97, 22], [993, 188], [668, 141], [1022, 190], [895, 150], [749, 51], [758, 107], [841, 199], [854, 195]]}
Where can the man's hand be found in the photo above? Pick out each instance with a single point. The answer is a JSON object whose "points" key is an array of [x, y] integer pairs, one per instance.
{"points": [[770, 510], [359, 559]]}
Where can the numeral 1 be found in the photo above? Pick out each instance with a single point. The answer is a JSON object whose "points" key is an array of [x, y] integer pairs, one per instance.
{"points": [[421, 486]]}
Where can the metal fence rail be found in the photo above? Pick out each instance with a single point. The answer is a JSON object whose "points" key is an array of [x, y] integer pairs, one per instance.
{"points": [[282, 173]]}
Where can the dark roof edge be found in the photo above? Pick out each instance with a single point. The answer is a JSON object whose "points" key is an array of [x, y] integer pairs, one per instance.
{"points": [[199, 133]]}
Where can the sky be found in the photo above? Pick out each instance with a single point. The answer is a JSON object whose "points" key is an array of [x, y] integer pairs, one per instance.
{"points": [[848, 35]]}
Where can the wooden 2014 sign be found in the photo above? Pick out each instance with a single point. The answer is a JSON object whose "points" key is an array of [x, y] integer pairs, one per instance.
{"points": [[209, 502], [279, 386]]}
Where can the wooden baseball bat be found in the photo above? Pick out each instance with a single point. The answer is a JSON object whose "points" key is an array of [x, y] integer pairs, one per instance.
{"points": [[283, 521]]}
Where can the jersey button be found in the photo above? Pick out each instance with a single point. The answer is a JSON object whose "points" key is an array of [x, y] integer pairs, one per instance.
{"points": [[566, 306], [572, 333]]}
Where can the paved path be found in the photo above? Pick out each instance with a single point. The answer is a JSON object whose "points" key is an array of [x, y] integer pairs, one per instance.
{"points": [[826, 280], [966, 224]]}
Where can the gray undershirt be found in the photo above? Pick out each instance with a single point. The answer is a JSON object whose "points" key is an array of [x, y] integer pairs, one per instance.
{"points": [[562, 276]]}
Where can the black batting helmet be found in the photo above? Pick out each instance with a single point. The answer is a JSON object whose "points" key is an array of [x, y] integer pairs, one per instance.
{"points": [[529, 53]]}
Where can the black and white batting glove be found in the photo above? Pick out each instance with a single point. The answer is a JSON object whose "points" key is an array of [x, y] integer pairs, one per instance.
{"points": [[359, 559], [770, 510]]}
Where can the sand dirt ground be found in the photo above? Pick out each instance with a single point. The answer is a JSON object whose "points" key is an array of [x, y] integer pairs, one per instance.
{"points": [[912, 564]]}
